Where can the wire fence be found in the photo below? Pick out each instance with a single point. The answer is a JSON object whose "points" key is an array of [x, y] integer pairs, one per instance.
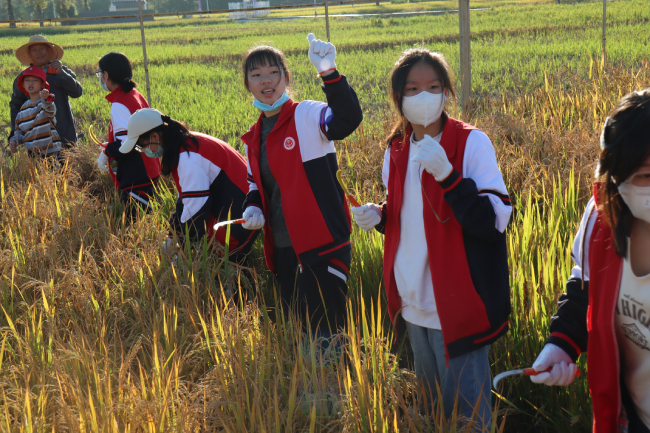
{"points": [[215, 12]]}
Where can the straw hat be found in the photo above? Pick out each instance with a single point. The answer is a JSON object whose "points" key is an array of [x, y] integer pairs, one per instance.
{"points": [[22, 53]]}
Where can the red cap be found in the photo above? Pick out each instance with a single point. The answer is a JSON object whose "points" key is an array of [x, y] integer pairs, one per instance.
{"points": [[33, 71]]}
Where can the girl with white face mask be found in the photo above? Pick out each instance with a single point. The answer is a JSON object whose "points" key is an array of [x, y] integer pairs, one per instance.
{"points": [[445, 260], [607, 311]]}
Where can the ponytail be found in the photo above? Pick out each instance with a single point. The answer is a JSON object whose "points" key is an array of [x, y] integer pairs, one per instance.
{"points": [[127, 85]]}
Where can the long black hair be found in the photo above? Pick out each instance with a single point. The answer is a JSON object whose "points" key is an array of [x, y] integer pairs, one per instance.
{"points": [[175, 138], [119, 70], [625, 144]]}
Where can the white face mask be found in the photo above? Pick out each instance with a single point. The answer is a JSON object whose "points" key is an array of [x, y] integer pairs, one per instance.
{"points": [[424, 108], [637, 198]]}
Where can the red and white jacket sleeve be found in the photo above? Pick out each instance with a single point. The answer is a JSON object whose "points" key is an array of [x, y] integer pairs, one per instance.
{"points": [[120, 119]]}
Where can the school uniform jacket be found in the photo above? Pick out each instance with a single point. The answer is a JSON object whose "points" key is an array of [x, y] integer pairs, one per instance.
{"points": [[586, 316], [211, 181], [136, 172], [465, 241], [302, 157]]}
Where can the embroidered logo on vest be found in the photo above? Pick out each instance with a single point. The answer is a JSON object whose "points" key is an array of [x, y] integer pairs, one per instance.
{"points": [[289, 143]]}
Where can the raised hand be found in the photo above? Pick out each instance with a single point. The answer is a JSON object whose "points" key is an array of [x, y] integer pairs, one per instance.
{"points": [[322, 54]]}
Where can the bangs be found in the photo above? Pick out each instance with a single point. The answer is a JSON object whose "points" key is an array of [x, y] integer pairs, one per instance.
{"points": [[262, 57]]}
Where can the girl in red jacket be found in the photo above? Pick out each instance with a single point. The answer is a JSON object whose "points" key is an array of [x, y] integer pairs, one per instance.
{"points": [[134, 174], [445, 260], [606, 307], [293, 193]]}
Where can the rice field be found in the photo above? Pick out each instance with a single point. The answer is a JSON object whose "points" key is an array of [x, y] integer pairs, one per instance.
{"points": [[99, 331]]}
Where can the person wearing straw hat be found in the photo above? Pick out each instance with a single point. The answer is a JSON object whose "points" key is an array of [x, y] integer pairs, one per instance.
{"points": [[40, 52]]}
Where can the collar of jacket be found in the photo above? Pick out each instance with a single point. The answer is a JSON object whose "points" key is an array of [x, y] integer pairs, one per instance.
{"points": [[111, 97], [252, 137]]}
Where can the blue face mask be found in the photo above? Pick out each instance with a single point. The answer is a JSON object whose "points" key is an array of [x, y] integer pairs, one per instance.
{"points": [[157, 154], [277, 104], [104, 86]]}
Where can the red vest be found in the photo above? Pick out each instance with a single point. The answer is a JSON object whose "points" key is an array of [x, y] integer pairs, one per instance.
{"points": [[603, 362], [314, 236], [134, 101], [462, 312]]}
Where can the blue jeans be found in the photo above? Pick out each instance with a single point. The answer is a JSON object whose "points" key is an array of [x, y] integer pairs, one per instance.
{"points": [[466, 378]]}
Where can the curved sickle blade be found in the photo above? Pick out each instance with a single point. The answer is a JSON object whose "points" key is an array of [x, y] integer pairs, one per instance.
{"points": [[225, 223], [505, 374]]}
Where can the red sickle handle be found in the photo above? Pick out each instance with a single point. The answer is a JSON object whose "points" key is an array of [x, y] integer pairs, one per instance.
{"points": [[354, 201], [533, 372]]}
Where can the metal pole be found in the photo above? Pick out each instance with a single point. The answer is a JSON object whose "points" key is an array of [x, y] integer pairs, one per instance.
{"points": [[604, 30], [315, 12], [207, 2], [327, 21], [465, 56], [144, 51]]}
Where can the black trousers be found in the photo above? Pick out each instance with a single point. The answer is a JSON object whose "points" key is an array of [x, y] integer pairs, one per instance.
{"points": [[317, 292]]}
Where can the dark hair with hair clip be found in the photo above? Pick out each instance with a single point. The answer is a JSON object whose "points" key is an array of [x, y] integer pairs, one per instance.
{"points": [[119, 69], [263, 55], [175, 138], [408, 59], [625, 143]]}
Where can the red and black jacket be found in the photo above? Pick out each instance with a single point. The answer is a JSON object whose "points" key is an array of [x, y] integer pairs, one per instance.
{"points": [[467, 254], [302, 158], [211, 182], [586, 316], [136, 172]]}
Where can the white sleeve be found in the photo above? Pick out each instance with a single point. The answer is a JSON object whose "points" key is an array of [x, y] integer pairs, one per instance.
{"points": [[385, 171], [194, 183], [480, 165], [580, 252], [120, 119]]}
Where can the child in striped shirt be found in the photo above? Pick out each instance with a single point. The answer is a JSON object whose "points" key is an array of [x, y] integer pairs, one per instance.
{"points": [[36, 121]]}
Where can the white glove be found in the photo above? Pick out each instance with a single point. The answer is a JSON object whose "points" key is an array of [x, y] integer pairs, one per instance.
{"points": [[367, 216], [254, 218], [433, 158], [564, 370], [168, 246], [321, 54], [102, 162]]}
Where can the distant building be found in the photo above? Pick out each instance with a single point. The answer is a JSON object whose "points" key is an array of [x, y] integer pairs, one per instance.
{"points": [[246, 5], [127, 6]]}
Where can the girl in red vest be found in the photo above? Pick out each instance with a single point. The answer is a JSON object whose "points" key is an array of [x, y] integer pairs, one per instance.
{"points": [[445, 260], [293, 193], [606, 308], [133, 173]]}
